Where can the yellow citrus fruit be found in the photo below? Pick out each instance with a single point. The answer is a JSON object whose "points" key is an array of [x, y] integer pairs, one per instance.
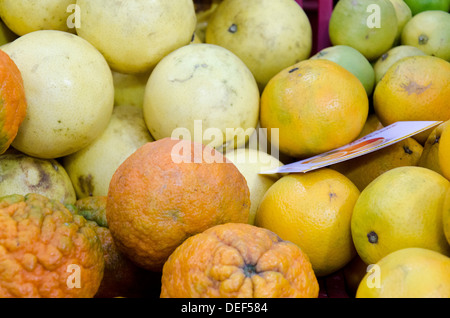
{"points": [[369, 29], [446, 217], [22, 174], [313, 210], [372, 123], [250, 162], [436, 150], [426, 32], [444, 158], [203, 11], [267, 35], [217, 93], [399, 209], [90, 169], [393, 55], [129, 89], [134, 36], [69, 90], [408, 273], [316, 104], [404, 14], [6, 35], [26, 16], [414, 88]]}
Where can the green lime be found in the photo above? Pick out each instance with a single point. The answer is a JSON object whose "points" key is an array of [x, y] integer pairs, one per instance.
{"points": [[366, 25], [418, 6]]}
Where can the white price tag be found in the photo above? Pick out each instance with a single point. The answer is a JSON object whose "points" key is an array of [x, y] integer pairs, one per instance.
{"points": [[376, 140]]}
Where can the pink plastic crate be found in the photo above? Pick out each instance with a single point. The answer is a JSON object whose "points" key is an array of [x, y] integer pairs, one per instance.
{"points": [[319, 13]]}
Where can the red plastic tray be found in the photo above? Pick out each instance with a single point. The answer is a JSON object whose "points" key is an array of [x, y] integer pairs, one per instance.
{"points": [[319, 13]]}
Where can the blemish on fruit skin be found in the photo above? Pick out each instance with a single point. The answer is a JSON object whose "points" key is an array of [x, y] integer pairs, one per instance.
{"points": [[423, 39], [407, 150], [384, 56], [373, 237], [196, 67], [293, 70], [232, 28], [54, 166], [414, 88], [322, 53], [332, 195], [43, 182], [436, 140], [86, 184], [174, 214]]}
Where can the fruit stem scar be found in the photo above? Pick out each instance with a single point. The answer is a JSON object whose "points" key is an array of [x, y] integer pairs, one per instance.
{"points": [[249, 270], [407, 150], [437, 139], [373, 237], [332, 195], [232, 28], [423, 39]]}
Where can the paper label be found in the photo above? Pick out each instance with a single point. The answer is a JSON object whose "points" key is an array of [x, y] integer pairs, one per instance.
{"points": [[376, 140]]}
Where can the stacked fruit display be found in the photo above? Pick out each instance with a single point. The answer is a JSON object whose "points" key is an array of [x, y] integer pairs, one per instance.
{"points": [[133, 134]]}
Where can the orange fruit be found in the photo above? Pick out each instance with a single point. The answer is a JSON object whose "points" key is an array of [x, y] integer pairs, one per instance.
{"points": [[313, 210], [46, 251], [155, 201], [316, 104], [13, 101], [236, 260], [414, 88], [121, 278]]}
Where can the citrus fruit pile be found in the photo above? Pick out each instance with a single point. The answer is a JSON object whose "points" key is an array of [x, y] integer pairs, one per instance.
{"points": [[134, 134]]}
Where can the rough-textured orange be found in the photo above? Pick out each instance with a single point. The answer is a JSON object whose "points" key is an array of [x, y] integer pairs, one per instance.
{"points": [[45, 250], [13, 103], [121, 278], [155, 202], [236, 260]]}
